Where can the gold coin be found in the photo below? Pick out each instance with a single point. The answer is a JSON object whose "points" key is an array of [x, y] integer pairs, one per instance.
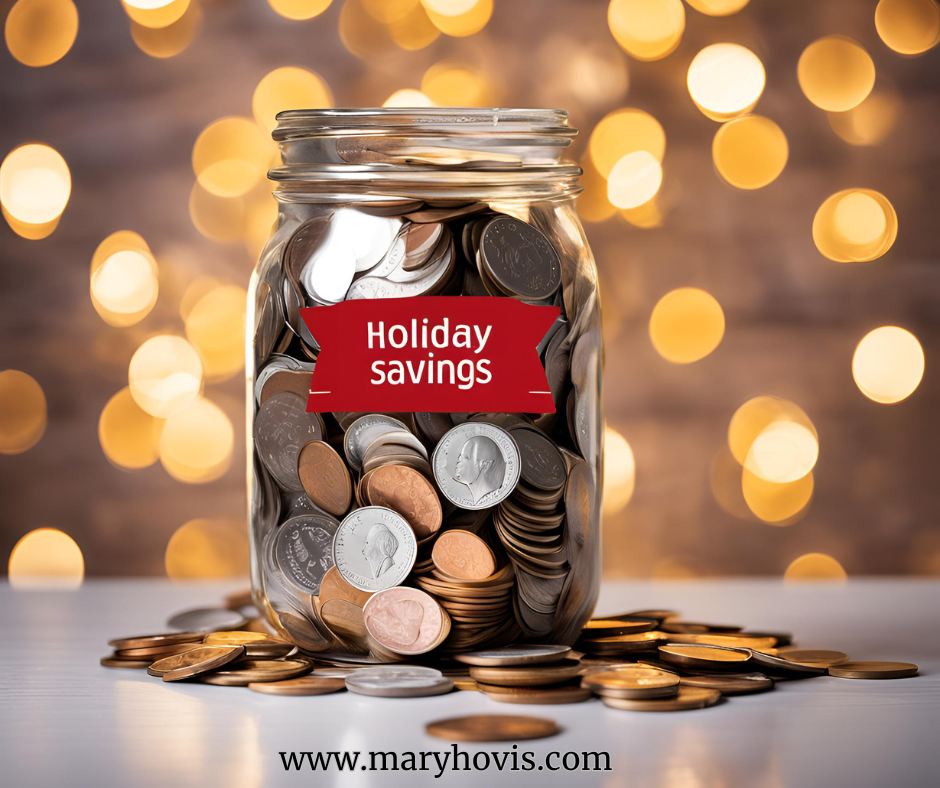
{"points": [[610, 627], [873, 670], [535, 676], [195, 661], [535, 695], [117, 662], [250, 671], [324, 477], [154, 652], [619, 644], [148, 641], [687, 698], [468, 685], [730, 685], [732, 641], [707, 657], [633, 682], [305, 685], [823, 658], [256, 644], [492, 727]]}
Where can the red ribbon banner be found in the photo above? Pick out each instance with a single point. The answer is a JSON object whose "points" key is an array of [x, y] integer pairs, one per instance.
{"points": [[449, 354]]}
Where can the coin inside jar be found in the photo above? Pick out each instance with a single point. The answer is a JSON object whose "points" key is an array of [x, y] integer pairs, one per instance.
{"points": [[520, 259], [282, 428], [374, 548], [304, 550], [476, 465], [404, 620], [409, 493], [463, 555], [324, 477]]}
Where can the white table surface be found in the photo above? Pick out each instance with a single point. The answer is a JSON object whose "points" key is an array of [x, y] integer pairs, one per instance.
{"points": [[66, 721]]}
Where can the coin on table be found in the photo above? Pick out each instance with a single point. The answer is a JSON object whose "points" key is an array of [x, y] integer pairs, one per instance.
{"points": [[614, 627], [874, 670], [374, 548], [305, 685], [519, 654], [634, 682], [207, 619], [704, 657], [535, 676], [687, 698], [492, 727], [248, 671], [824, 658], [764, 644], [735, 684], [194, 662], [363, 431], [408, 492], [304, 550], [536, 695], [463, 555], [404, 620], [623, 644], [520, 259], [775, 664], [154, 652], [147, 641], [282, 428], [118, 662], [399, 682], [324, 477], [476, 465], [542, 465], [256, 644]]}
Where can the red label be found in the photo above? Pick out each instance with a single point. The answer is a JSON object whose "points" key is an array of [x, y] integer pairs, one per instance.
{"points": [[449, 354]]}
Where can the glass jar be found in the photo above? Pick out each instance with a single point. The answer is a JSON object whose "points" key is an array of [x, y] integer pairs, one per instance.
{"points": [[376, 535]]}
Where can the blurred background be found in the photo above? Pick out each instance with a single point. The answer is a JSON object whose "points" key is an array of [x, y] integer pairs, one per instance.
{"points": [[761, 182]]}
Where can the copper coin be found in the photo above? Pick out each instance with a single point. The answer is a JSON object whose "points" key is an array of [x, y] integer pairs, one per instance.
{"points": [[632, 682], [492, 727], [686, 698], [145, 641], [196, 661], [730, 685], [820, 657], [707, 657], [154, 652], [305, 685], [612, 627], [535, 676], [333, 586], [256, 644], [764, 644], [775, 664], [404, 620], [289, 380], [117, 662], [408, 492], [873, 670], [324, 477], [536, 695], [463, 555], [343, 618], [254, 670]]}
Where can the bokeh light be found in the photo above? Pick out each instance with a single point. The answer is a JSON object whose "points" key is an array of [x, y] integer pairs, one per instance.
{"points": [[231, 156], [777, 504], [215, 326], [207, 549], [647, 29], [128, 435], [46, 559], [910, 27], [649, 214], [718, 7], [155, 13], [40, 32], [196, 443], [412, 31], [35, 185], [388, 11], [619, 471], [871, 122], [169, 41], [634, 180], [592, 74], [123, 279], [593, 205], [686, 325], [622, 132], [725, 80], [888, 364], [299, 10], [455, 85], [165, 375], [408, 97], [750, 152], [783, 452], [758, 414], [220, 219], [23, 412], [855, 225], [461, 17], [836, 73], [194, 291], [261, 213], [725, 481], [288, 88], [815, 566]]}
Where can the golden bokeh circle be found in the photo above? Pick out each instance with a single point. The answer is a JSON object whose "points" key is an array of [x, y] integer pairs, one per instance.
{"points": [[196, 443], [414, 30], [888, 364], [389, 11], [755, 416], [647, 29], [718, 7], [215, 326], [41, 32], [220, 219], [686, 325], [619, 471], [23, 412], [46, 558], [450, 84], [815, 566], [207, 549], [624, 131], [123, 280], [871, 122], [299, 10], [910, 27], [783, 452], [470, 21], [593, 205], [129, 436], [408, 97], [155, 13], [855, 226], [777, 504], [165, 375], [836, 73], [750, 152], [725, 80], [290, 87], [35, 184], [169, 41], [634, 180], [231, 156]]}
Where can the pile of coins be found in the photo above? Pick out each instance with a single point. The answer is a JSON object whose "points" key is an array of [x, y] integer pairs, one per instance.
{"points": [[386, 535]]}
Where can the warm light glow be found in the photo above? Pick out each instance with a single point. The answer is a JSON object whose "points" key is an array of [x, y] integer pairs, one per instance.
{"points": [[41, 32], [888, 364], [220, 219], [755, 416], [718, 7], [634, 180], [593, 205], [855, 225], [750, 152], [454, 85], [622, 132], [647, 29], [459, 24], [673, 568], [23, 412], [46, 559], [783, 452], [361, 33], [388, 11], [836, 73], [449, 7], [196, 444], [260, 218], [215, 326], [686, 325], [35, 184], [871, 122], [649, 214], [777, 504], [619, 471], [194, 291], [287, 88], [910, 27], [725, 80], [724, 478], [129, 436], [412, 31], [408, 98], [165, 375], [123, 279], [299, 9], [207, 549], [169, 41], [231, 156], [155, 13], [815, 566]]}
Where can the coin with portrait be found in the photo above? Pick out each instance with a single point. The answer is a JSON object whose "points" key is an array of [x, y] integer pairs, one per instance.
{"points": [[476, 465], [374, 548]]}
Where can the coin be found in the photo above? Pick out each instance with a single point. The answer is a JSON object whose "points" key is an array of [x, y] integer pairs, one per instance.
{"points": [[707, 657], [463, 555], [519, 654], [536, 695], [614, 627], [542, 465], [686, 698], [492, 728], [305, 685], [520, 259], [399, 682], [343, 618], [116, 662], [207, 619], [334, 587], [404, 620], [256, 644], [363, 431], [248, 671], [775, 664], [282, 428], [195, 661], [146, 641], [154, 652], [735, 684], [304, 550], [634, 682], [819, 657], [873, 670], [408, 492], [476, 465], [324, 477], [374, 548], [535, 676]]}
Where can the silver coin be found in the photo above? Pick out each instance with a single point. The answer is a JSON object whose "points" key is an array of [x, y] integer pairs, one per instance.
{"points": [[304, 550], [363, 431], [282, 427], [520, 654], [398, 682], [542, 464], [295, 503], [520, 258], [374, 548], [207, 619], [476, 465]]}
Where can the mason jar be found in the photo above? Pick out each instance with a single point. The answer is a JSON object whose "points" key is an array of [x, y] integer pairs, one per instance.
{"points": [[424, 386]]}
